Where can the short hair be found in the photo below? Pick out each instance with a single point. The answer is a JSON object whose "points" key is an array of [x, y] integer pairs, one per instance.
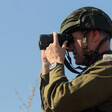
{"points": [[104, 34]]}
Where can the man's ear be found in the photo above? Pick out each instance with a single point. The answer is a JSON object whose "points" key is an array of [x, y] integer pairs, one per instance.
{"points": [[96, 35]]}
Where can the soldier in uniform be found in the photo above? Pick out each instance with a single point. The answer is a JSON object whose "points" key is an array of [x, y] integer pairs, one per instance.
{"points": [[90, 91]]}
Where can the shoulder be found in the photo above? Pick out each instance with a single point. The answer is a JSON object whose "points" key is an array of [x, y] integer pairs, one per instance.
{"points": [[105, 62], [101, 67], [107, 57]]}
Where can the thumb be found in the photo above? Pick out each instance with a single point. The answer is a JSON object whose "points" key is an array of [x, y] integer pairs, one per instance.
{"points": [[64, 44]]}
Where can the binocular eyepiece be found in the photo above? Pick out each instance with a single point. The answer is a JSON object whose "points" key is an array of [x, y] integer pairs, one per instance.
{"points": [[46, 39]]}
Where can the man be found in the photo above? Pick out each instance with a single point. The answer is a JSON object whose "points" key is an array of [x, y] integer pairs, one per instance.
{"points": [[91, 91]]}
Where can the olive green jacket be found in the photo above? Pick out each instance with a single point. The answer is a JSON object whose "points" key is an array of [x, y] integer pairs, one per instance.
{"points": [[89, 92]]}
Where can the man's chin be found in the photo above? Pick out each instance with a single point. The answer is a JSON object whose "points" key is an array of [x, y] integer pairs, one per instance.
{"points": [[78, 62]]}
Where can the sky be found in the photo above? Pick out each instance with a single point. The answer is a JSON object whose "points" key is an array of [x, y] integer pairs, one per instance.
{"points": [[21, 23]]}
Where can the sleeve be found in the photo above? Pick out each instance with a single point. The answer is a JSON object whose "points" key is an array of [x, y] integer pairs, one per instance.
{"points": [[44, 80], [86, 91]]}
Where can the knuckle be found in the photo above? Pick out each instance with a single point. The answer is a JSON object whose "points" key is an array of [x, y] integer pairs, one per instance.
{"points": [[50, 45], [54, 44]]}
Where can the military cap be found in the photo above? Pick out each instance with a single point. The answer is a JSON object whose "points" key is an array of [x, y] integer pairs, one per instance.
{"points": [[87, 18]]}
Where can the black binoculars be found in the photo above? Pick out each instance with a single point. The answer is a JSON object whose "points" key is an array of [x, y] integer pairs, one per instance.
{"points": [[46, 39]]}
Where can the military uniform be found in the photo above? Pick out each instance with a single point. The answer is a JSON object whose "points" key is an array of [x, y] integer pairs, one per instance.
{"points": [[89, 92]]}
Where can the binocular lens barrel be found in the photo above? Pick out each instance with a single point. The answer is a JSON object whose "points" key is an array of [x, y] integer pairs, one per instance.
{"points": [[46, 39]]}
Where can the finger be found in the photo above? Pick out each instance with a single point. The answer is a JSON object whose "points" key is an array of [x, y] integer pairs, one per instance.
{"points": [[43, 54], [55, 37], [42, 51], [64, 44]]}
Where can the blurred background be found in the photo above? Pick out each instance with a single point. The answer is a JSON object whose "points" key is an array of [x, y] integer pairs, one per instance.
{"points": [[21, 23]]}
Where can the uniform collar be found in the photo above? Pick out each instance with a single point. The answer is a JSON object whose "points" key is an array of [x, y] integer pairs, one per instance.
{"points": [[100, 56]]}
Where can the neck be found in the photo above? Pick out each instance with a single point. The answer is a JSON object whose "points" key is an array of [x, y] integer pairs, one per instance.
{"points": [[105, 47]]}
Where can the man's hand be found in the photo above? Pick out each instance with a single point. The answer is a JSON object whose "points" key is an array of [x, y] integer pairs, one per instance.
{"points": [[45, 63], [54, 52]]}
